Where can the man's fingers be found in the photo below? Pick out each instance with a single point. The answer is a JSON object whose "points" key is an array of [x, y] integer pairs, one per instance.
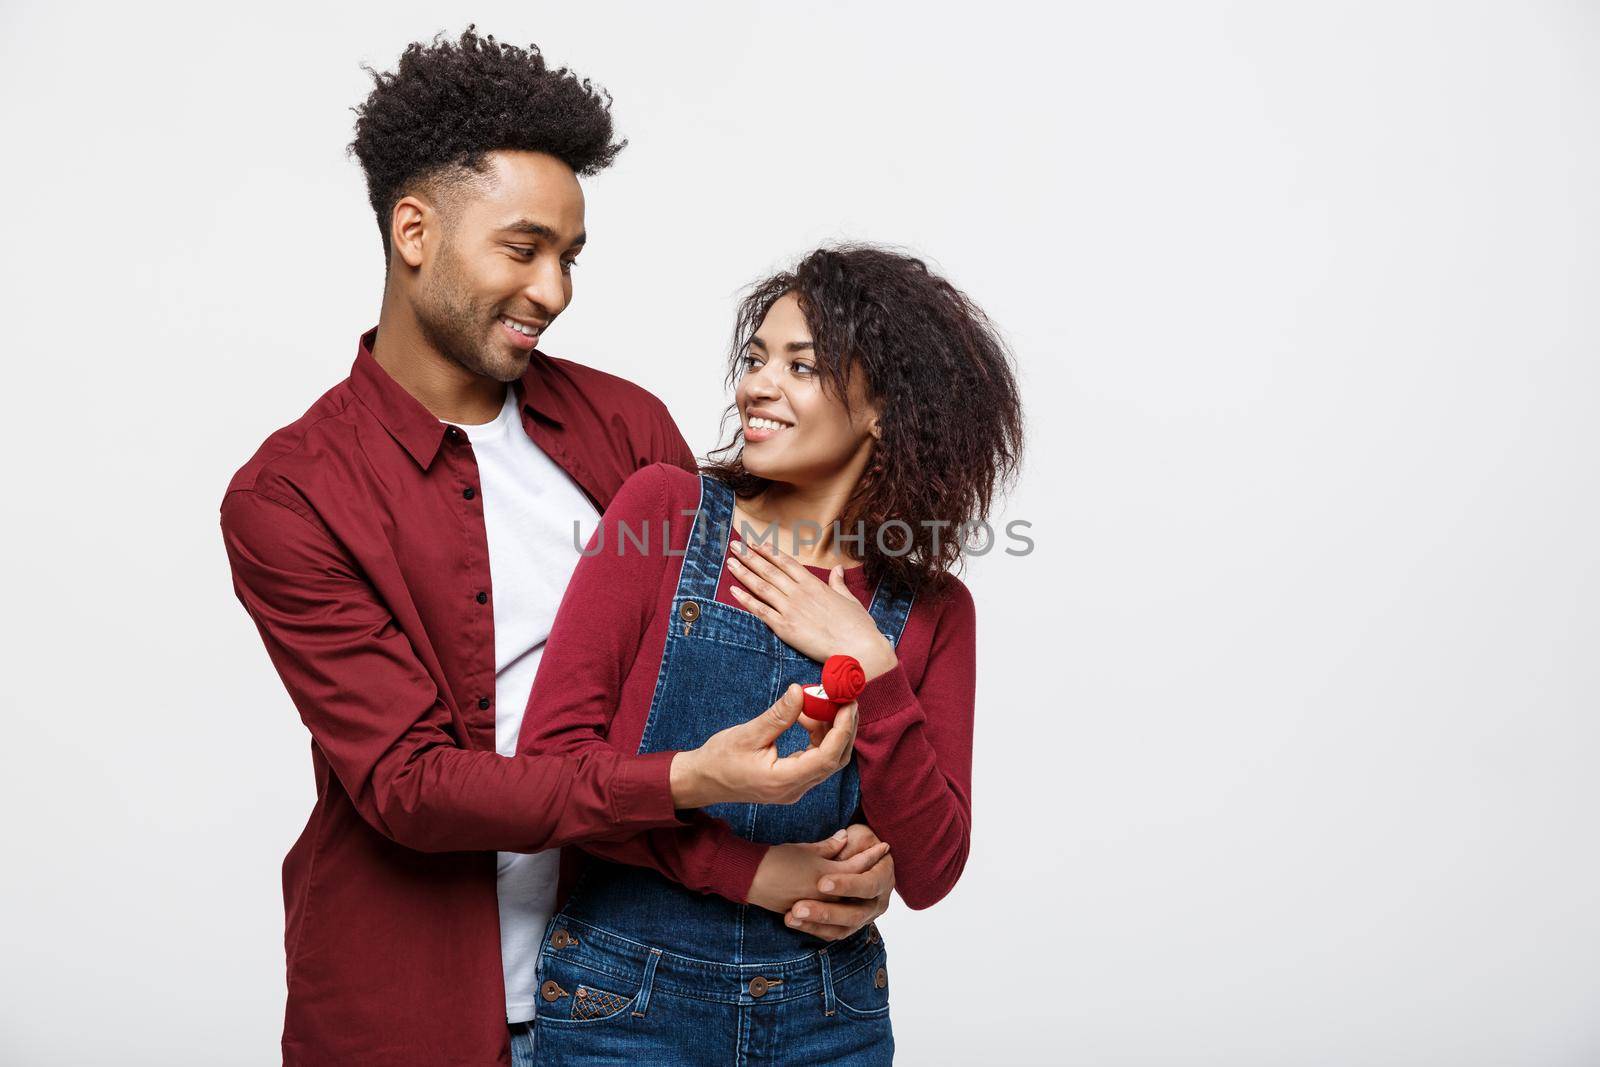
{"points": [[770, 724], [803, 769], [816, 728], [836, 745], [859, 864], [850, 915], [858, 838], [827, 933], [829, 847], [834, 751], [794, 775], [872, 883], [860, 886]]}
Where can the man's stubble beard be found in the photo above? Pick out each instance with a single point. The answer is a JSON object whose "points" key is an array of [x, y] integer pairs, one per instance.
{"points": [[455, 326]]}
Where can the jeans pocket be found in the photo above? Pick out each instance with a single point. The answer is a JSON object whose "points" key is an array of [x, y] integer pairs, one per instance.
{"points": [[571, 993], [592, 1004], [864, 992]]}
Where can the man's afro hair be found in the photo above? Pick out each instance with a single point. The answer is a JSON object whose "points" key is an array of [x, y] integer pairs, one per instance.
{"points": [[451, 103]]}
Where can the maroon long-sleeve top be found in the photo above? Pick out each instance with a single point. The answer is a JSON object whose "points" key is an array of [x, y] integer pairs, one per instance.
{"points": [[595, 683], [356, 540]]}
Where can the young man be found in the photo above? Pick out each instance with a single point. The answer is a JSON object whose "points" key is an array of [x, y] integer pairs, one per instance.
{"points": [[402, 548]]}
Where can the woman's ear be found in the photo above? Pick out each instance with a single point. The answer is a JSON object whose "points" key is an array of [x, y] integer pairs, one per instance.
{"points": [[876, 429]]}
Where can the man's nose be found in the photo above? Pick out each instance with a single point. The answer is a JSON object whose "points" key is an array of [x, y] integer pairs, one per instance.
{"points": [[547, 289]]}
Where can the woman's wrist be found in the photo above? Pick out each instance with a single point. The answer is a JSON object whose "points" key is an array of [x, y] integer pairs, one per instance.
{"points": [[766, 887], [878, 661]]}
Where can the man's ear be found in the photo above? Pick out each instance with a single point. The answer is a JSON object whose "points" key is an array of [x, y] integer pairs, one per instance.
{"points": [[408, 225]]}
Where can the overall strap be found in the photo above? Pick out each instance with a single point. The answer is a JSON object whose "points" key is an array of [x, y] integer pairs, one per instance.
{"points": [[891, 606], [707, 551]]}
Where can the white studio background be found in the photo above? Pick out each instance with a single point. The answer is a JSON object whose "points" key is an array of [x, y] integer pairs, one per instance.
{"points": [[1286, 728]]}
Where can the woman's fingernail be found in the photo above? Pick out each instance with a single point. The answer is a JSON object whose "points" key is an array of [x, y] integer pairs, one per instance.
{"points": [[793, 921], [802, 911], [841, 834], [827, 885], [736, 547]]}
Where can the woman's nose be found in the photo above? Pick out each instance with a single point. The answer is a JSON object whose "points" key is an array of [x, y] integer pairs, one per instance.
{"points": [[761, 384]]}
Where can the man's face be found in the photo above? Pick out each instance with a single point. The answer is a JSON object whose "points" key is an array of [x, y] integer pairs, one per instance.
{"points": [[501, 269]]}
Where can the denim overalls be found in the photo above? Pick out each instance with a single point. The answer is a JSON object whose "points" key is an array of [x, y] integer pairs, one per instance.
{"points": [[636, 968]]}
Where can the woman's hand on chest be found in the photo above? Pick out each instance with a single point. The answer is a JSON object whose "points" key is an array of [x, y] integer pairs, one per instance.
{"points": [[817, 618]]}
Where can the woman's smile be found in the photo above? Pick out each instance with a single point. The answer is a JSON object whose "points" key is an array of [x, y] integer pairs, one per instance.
{"points": [[759, 428]]}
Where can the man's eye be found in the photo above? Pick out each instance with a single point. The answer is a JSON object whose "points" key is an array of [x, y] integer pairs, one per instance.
{"points": [[567, 265], [525, 251]]}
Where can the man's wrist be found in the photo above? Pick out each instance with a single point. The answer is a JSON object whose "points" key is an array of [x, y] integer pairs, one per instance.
{"points": [[687, 781]]}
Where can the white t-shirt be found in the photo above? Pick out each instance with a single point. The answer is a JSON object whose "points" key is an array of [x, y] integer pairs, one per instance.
{"points": [[529, 506]]}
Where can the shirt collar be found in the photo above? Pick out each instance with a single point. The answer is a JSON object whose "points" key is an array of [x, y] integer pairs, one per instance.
{"points": [[412, 424], [533, 388]]}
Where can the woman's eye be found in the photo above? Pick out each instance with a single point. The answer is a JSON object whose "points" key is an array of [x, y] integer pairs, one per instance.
{"points": [[751, 362], [805, 370]]}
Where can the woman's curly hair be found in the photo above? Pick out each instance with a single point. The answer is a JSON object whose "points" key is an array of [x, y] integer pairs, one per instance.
{"points": [[452, 103], [943, 381]]}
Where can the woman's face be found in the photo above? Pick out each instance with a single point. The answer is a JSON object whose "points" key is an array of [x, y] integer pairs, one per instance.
{"points": [[817, 436]]}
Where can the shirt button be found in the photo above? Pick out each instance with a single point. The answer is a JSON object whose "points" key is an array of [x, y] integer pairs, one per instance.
{"points": [[483, 598], [469, 492], [483, 703]]}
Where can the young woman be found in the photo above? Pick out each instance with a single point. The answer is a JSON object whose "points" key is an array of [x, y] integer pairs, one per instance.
{"points": [[878, 412]]}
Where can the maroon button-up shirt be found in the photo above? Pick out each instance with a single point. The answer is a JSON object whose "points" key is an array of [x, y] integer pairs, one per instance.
{"points": [[357, 543]]}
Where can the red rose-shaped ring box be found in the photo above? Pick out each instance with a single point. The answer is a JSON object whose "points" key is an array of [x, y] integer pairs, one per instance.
{"points": [[842, 681]]}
